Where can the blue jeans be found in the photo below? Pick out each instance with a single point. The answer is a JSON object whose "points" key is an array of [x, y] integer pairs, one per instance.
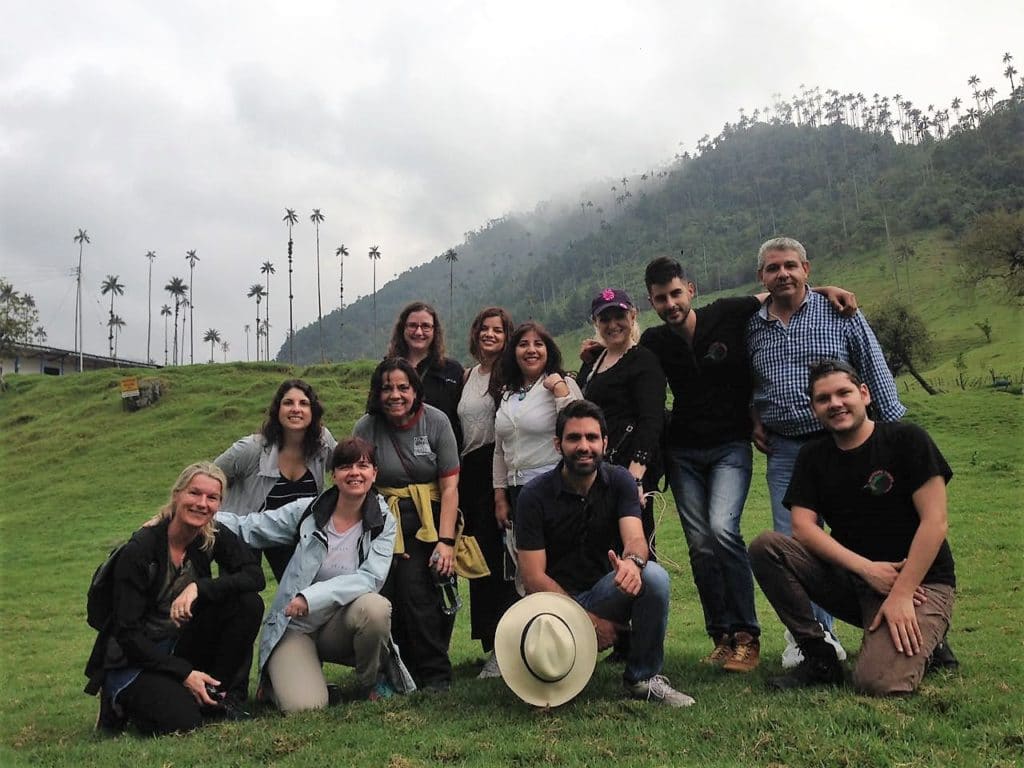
{"points": [[781, 461], [647, 613], [710, 487]]}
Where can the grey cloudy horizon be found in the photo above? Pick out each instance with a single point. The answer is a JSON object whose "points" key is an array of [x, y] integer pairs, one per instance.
{"points": [[170, 127]]}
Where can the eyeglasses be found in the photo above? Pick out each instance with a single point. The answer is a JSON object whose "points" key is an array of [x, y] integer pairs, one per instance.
{"points": [[425, 327]]}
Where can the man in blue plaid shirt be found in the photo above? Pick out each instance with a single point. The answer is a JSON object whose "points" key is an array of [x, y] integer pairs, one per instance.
{"points": [[795, 328]]}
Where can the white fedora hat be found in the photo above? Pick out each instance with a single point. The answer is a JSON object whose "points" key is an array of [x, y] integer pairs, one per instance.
{"points": [[546, 648]]}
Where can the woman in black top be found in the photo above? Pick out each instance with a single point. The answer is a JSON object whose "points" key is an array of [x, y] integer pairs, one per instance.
{"points": [[627, 382], [419, 338], [177, 645]]}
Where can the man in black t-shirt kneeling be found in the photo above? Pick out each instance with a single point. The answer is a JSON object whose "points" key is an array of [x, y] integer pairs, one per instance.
{"points": [[886, 567]]}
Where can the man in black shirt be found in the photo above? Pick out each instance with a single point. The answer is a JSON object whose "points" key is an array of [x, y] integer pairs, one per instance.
{"points": [[579, 533], [709, 460], [886, 567]]}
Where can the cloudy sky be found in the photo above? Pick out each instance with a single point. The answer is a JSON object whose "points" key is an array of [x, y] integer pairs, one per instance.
{"points": [[193, 125]]}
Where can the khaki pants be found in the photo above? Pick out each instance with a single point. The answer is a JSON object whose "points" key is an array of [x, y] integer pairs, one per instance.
{"points": [[792, 578], [355, 636]]}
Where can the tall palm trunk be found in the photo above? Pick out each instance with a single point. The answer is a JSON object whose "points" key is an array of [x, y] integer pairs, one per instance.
{"points": [[176, 306]]}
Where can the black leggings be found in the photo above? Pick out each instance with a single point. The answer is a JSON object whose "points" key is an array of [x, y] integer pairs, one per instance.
{"points": [[217, 641], [421, 630]]}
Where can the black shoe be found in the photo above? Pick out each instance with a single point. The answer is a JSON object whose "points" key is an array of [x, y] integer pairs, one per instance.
{"points": [[437, 686], [111, 720], [942, 658], [814, 670], [334, 695]]}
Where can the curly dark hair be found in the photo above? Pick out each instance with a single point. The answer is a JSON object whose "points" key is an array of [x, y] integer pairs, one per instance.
{"points": [[386, 366], [398, 346], [507, 375], [478, 324], [273, 432]]}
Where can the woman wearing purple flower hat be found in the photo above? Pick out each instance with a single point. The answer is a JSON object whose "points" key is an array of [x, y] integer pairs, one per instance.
{"points": [[627, 382]]}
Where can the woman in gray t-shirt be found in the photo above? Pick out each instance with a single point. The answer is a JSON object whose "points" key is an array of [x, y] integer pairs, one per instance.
{"points": [[418, 473]]}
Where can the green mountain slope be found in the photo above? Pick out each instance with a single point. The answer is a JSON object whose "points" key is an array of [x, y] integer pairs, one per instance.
{"points": [[845, 192]]}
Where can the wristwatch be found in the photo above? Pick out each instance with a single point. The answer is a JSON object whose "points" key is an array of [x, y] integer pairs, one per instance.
{"points": [[637, 560]]}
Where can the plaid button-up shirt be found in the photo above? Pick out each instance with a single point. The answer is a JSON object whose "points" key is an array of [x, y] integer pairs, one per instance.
{"points": [[780, 356]]}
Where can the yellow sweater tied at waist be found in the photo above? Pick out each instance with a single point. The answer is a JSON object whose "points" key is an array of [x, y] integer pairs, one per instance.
{"points": [[469, 559]]}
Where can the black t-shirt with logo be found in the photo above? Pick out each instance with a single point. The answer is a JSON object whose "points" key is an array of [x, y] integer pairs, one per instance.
{"points": [[710, 379], [865, 495]]}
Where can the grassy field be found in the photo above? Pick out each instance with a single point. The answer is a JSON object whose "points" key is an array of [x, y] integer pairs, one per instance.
{"points": [[79, 474]]}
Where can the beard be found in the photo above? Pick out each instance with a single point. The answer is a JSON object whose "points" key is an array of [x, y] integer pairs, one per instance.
{"points": [[575, 467]]}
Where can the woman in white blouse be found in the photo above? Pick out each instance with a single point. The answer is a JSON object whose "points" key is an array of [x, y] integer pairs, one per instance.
{"points": [[533, 388]]}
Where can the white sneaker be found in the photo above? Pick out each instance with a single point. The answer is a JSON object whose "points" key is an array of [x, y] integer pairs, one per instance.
{"points": [[658, 690], [792, 655], [834, 642], [491, 668]]}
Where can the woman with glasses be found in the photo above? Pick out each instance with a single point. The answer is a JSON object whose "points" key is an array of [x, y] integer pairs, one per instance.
{"points": [[329, 606], [419, 338], [418, 474]]}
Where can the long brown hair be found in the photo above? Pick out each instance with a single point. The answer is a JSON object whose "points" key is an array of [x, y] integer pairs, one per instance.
{"points": [[509, 375], [398, 347]]}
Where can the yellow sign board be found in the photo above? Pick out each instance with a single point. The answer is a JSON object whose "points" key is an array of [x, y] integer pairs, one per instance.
{"points": [[130, 387]]}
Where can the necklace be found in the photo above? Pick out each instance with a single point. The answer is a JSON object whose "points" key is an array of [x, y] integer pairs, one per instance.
{"points": [[524, 390]]}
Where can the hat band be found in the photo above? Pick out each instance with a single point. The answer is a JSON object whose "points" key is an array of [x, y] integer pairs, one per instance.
{"points": [[551, 647]]}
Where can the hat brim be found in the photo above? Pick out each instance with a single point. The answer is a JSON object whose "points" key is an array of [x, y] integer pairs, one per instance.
{"points": [[507, 649], [624, 306]]}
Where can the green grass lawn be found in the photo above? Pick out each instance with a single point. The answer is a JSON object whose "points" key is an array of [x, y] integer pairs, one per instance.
{"points": [[79, 474]]}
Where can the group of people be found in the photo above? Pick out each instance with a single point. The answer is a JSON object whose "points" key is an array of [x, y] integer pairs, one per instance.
{"points": [[528, 480]]}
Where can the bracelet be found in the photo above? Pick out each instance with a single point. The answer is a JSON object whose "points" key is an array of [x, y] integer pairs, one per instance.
{"points": [[446, 540]]}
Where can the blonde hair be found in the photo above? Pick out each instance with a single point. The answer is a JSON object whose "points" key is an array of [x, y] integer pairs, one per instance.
{"points": [[634, 327], [166, 512]]}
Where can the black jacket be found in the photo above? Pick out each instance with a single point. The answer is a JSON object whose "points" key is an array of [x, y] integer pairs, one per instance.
{"points": [[136, 583]]}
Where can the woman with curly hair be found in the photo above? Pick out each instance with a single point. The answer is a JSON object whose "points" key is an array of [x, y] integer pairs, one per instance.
{"points": [[286, 460]]}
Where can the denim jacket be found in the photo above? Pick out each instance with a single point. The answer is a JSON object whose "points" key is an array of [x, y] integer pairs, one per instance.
{"points": [[376, 549]]}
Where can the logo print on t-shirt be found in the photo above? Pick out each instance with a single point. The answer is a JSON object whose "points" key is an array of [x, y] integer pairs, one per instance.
{"points": [[716, 352], [879, 483], [421, 445]]}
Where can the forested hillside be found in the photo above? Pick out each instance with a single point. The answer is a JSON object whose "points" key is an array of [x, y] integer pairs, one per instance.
{"points": [[841, 180]]}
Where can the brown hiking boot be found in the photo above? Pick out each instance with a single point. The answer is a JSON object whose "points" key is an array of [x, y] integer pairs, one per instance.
{"points": [[721, 654], [746, 653]]}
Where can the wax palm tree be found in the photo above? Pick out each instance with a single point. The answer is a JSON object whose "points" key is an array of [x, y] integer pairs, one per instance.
{"points": [[1010, 72], [291, 220], [81, 238], [247, 329], [112, 286], [185, 303], [224, 347], [165, 310], [191, 258], [115, 323], [177, 289], [149, 322], [341, 252], [374, 257], [257, 290], [316, 217], [212, 335], [974, 81], [268, 270], [451, 257]]}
